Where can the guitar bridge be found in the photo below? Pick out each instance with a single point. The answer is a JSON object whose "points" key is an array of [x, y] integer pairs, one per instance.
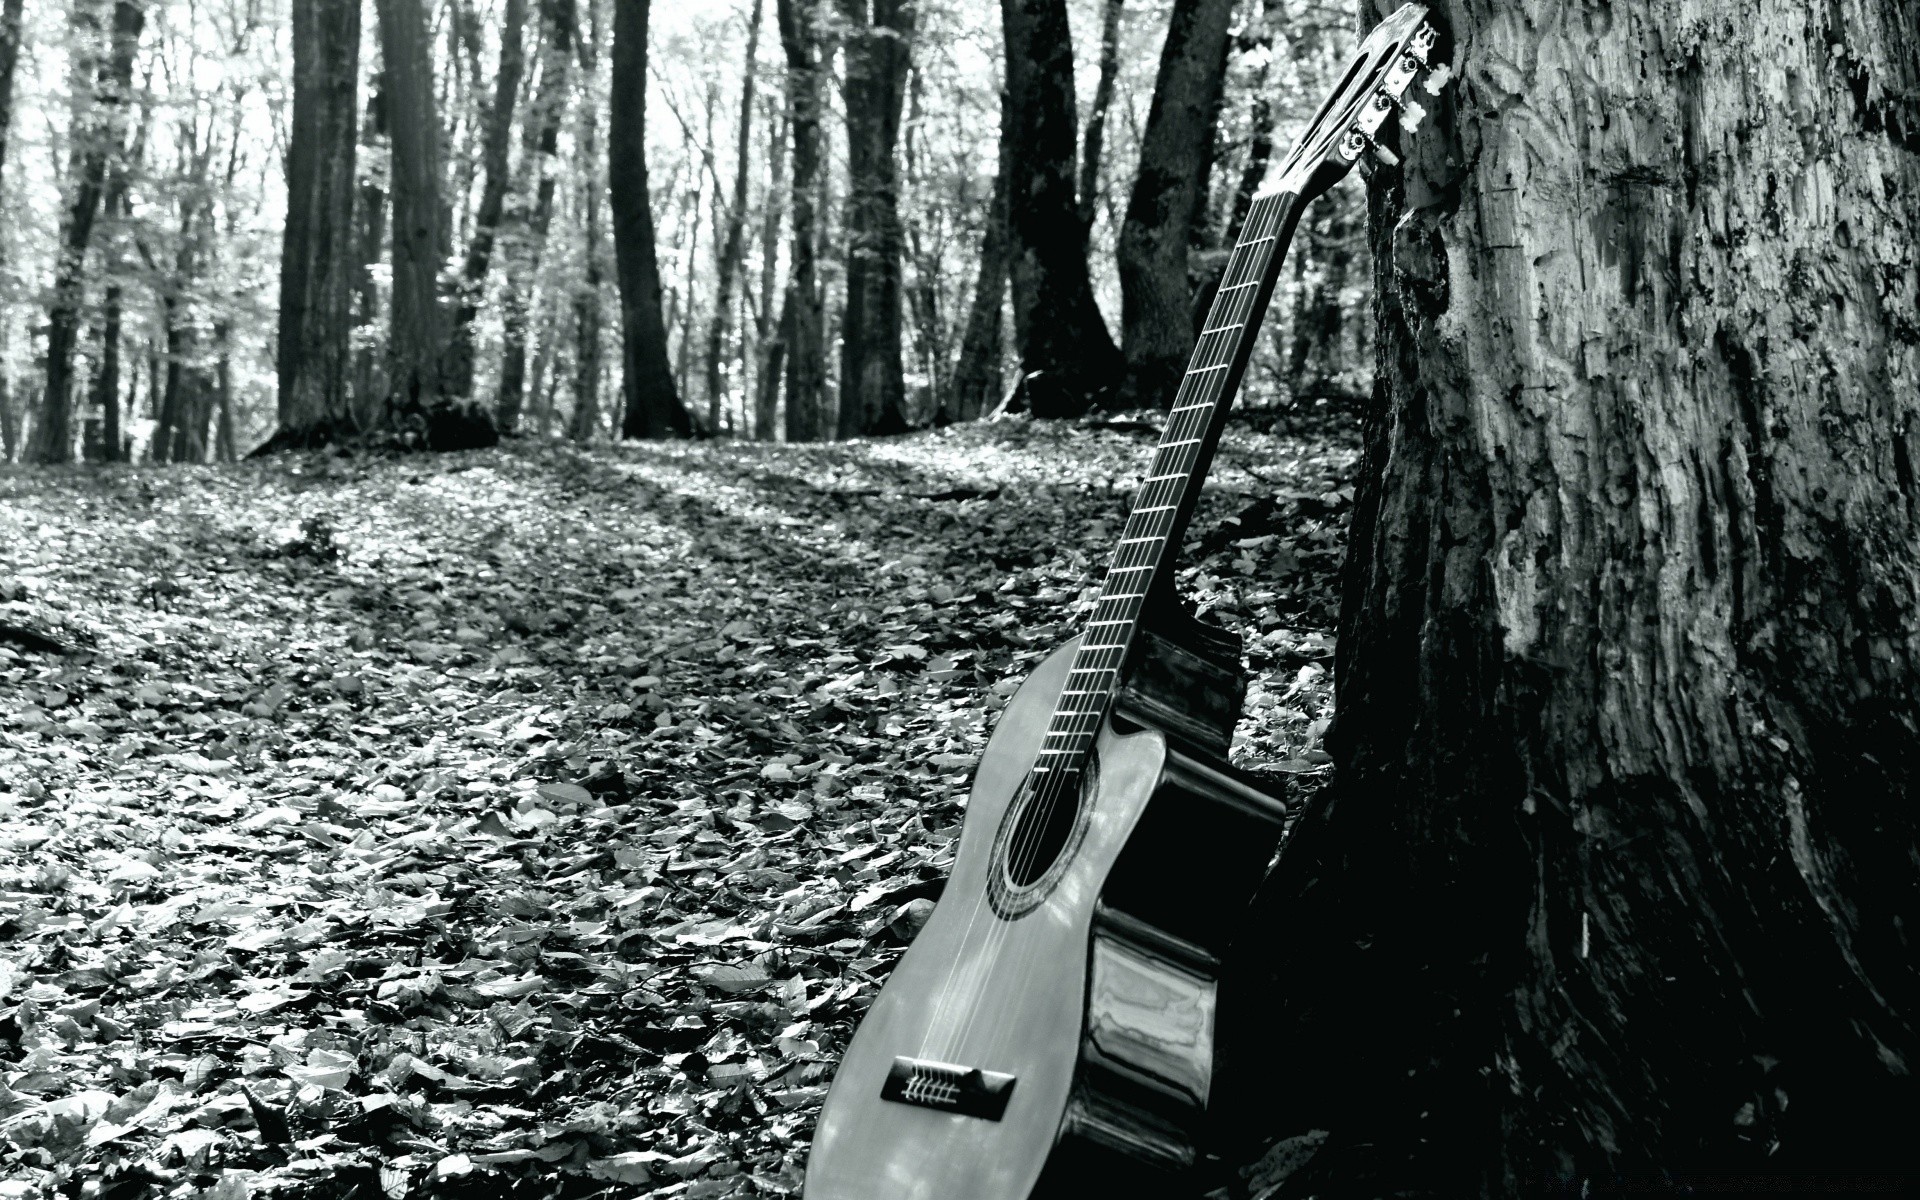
{"points": [[948, 1087]]}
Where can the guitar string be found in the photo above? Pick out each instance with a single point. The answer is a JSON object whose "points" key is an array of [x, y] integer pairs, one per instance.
{"points": [[1197, 405]]}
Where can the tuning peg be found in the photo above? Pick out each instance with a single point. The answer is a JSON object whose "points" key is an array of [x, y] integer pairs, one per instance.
{"points": [[1374, 113], [1411, 114], [1438, 79], [1351, 144], [1385, 155]]}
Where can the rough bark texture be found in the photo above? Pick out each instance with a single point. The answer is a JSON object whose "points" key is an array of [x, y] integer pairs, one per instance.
{"points": [[586, 298], [421, 407], [976, 379], [543, 147], [316, 260], [493, 198], [1094, 144], [1169, 193], [370, 235], [102, 106], [804, 321], [771, 328], [1617, 886], [872, 383], [1066, 353], [653, 408]]}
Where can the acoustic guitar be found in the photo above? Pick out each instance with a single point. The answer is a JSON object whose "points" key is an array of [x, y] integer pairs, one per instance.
{"points": [[1050, 1031]]}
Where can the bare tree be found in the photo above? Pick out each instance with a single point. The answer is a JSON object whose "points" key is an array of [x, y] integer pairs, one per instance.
{"points": [[803, 323], [733, 243], [872, 384], [1094, 143], [976, 380]]}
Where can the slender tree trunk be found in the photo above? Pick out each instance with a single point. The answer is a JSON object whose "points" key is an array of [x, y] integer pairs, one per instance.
{"points": [[493, 198], [421, 406], [1169, 193], [1095, 138], [316, 267], [771, 328], [1616, 888], [1066, 354], [100, 138], [805, 317], [223, 434], [106, 386], [653, 408], [587, 308], [542, 145], [369, 241], [733, 245], [976, 380], [872, 382], [10, 26]]}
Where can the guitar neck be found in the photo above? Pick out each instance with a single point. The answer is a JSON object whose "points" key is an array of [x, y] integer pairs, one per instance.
{"points": [[1143, 561]]}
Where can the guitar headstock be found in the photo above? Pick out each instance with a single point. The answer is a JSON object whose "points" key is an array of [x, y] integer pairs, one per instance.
{"points": [[1375, 85]]}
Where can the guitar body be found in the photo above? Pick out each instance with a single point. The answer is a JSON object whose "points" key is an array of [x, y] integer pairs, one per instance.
{"points": [[1095, 1007]]}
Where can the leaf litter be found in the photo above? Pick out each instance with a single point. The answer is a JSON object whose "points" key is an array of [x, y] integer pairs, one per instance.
{"points": [[535, 821]]}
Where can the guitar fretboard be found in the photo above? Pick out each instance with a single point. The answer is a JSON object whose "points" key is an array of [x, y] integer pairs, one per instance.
{"points": [[1164, 503]]}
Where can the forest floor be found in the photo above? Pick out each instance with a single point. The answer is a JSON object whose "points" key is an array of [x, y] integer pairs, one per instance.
{"points": [[536, 821]]}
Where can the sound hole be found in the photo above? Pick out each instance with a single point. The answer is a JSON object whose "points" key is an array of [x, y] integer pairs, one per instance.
{"points": [[1048, 813]]}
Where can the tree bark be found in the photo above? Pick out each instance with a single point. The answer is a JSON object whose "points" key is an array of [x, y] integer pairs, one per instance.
{"points": [[1169, 195], [805, 318], [98, 140], [771, 328], [543, 148], [653, 408], [1066, 353], [316, 268], [586, 299], [493, 198], [976, 380], [872, 382], [10, 26], [422, 408], [1095, 138], [733, 243], [1615, 888]]}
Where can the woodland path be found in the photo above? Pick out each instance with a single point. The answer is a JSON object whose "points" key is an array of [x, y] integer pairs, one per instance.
{"points": [[535, 821]]}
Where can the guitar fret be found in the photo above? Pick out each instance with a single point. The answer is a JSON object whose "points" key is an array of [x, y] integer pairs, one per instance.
{"points": [[1203, 370], [1223, 328], [1157, 508]]}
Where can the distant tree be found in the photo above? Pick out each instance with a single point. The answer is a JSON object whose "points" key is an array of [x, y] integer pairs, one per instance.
{"points": [[420, 402], [653, 408], [542, 148], [976, 379], [1067, 355], [493, 198], [1094, 144], [10, 12], [803, 324], [587, 318], [316, 257], [733, 243], [770, 327], [1169, 202], [872, 383], [109, 83]]}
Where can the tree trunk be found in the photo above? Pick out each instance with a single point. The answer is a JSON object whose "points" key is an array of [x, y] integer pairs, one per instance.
{"points": [[771, 329], [1066, 354], [733, 244], [1616, 885], [543, 147], [805, 317], [653, 408], [99, 139], [422, 408], [1169, 193], [493, 198], [872, 383], [10, 24], [976, 380], [316, 268], [106, 386], [586, 299], [1095, 138]]}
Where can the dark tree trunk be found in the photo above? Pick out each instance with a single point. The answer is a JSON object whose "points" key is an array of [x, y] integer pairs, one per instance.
{"points": [[316, 257], [976, 380], [1615, 889], [1066, 354], [422, 409], [493, 199], [369, 242], [10, 13], [653, 408], [733, 243], [772, 329], [543, 147], [805, 318], [1169, 195], [97, 142], [586, 299], [1095, 139], [872, 383], [106, 384]]}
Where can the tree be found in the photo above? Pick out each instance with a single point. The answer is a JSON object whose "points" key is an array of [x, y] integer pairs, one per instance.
{"points": [[10, 12], [976, 379], [733, 244], [95, 142], [493, 198], [1168, 201], [316, 316], [803, 324], [1068, 357], [586, 298], [653, 408], [1616, 884], [420, 403], [1094, 144], [872, 385]]}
